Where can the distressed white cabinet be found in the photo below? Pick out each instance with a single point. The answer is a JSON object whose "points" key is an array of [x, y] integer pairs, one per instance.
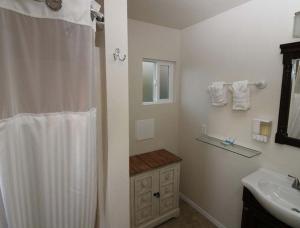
{"points": [[154, 193]]}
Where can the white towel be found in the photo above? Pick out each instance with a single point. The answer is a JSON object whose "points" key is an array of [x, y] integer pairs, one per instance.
{"points": [[218, 93], [241, 96]]}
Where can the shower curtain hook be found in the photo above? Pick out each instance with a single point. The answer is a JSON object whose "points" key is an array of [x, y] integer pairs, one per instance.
{"points": [[55, 5], [117, 55]]}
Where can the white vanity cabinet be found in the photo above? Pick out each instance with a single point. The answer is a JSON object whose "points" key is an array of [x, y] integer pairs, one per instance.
{"points": [[154, 188]]}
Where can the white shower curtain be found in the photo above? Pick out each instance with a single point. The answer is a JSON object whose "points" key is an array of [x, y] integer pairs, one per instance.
{"points": [[48, 159]]}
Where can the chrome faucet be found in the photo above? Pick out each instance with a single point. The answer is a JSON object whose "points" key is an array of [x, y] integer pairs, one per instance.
{"points": [[296, 184]]}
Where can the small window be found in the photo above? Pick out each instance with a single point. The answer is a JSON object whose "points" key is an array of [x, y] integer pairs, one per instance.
{"points": [[157, 82]]}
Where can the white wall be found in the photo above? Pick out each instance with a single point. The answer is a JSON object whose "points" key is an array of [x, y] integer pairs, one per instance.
{"points": [[117, 156], [242, 43], [154, 42]]}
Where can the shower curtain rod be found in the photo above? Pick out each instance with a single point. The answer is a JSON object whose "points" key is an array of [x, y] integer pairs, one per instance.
{"points": [[97, 15], [99, 18]]}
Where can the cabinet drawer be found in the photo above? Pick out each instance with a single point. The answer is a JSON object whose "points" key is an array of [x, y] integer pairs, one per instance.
{"points": [[167, 191], [143, 201], [166, 205], [143, 215], [167, 176], [143, 184]]}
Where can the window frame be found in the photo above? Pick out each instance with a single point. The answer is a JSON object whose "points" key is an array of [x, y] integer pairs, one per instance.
{"points": [[156, 82]]}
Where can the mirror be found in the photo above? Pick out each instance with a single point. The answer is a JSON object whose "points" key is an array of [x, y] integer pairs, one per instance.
{"points": [[294, 116], [288, 131]]}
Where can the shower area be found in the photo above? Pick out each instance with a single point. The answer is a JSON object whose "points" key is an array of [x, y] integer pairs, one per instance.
{"points": [[55, 164]]}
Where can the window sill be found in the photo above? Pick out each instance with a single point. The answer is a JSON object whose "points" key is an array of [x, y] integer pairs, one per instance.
{"points": [[157, 103]]}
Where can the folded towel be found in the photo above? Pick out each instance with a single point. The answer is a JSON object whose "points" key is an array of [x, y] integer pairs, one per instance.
{"points": [[241, 95], [218, 93]]}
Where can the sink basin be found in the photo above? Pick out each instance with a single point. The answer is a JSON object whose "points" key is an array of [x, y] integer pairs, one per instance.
{"points": [[275, 193]]}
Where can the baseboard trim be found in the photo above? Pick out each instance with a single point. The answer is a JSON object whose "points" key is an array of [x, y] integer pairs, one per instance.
{"points": [[201, 211], [173, 214]]}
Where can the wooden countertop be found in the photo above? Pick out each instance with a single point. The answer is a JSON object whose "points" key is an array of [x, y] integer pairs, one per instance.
{"points": [[152, 160]]}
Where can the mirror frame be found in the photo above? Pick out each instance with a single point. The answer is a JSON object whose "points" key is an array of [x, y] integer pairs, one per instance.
{"points": [[290, 51]]}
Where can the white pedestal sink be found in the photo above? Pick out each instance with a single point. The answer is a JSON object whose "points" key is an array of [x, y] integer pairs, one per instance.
{"points": [[275, 193]]}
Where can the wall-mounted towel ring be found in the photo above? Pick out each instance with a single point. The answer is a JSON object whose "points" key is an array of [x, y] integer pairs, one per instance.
{"points": [[117, 55]]}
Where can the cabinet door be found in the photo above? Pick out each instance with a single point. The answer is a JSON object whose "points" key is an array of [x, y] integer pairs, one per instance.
{"points": [[145, 205], [168, 188]]}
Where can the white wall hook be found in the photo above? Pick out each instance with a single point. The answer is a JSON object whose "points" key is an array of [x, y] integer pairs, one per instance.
{"points": [[117, 55]]}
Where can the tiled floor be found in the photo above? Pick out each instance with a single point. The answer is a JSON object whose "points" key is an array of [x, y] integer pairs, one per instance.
{"points": [[189, 218]]}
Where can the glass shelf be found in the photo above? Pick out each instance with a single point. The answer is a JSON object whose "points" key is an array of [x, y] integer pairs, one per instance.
{"points": [[237, 149]]}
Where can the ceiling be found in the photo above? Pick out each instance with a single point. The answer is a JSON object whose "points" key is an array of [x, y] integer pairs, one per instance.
{"points": [[178, 13]]}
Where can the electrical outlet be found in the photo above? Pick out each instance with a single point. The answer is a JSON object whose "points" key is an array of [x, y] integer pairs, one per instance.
{"points": [[204, 129]]}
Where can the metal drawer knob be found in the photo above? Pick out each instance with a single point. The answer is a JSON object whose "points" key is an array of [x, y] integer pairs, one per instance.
{"points": [[157, 195]]}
